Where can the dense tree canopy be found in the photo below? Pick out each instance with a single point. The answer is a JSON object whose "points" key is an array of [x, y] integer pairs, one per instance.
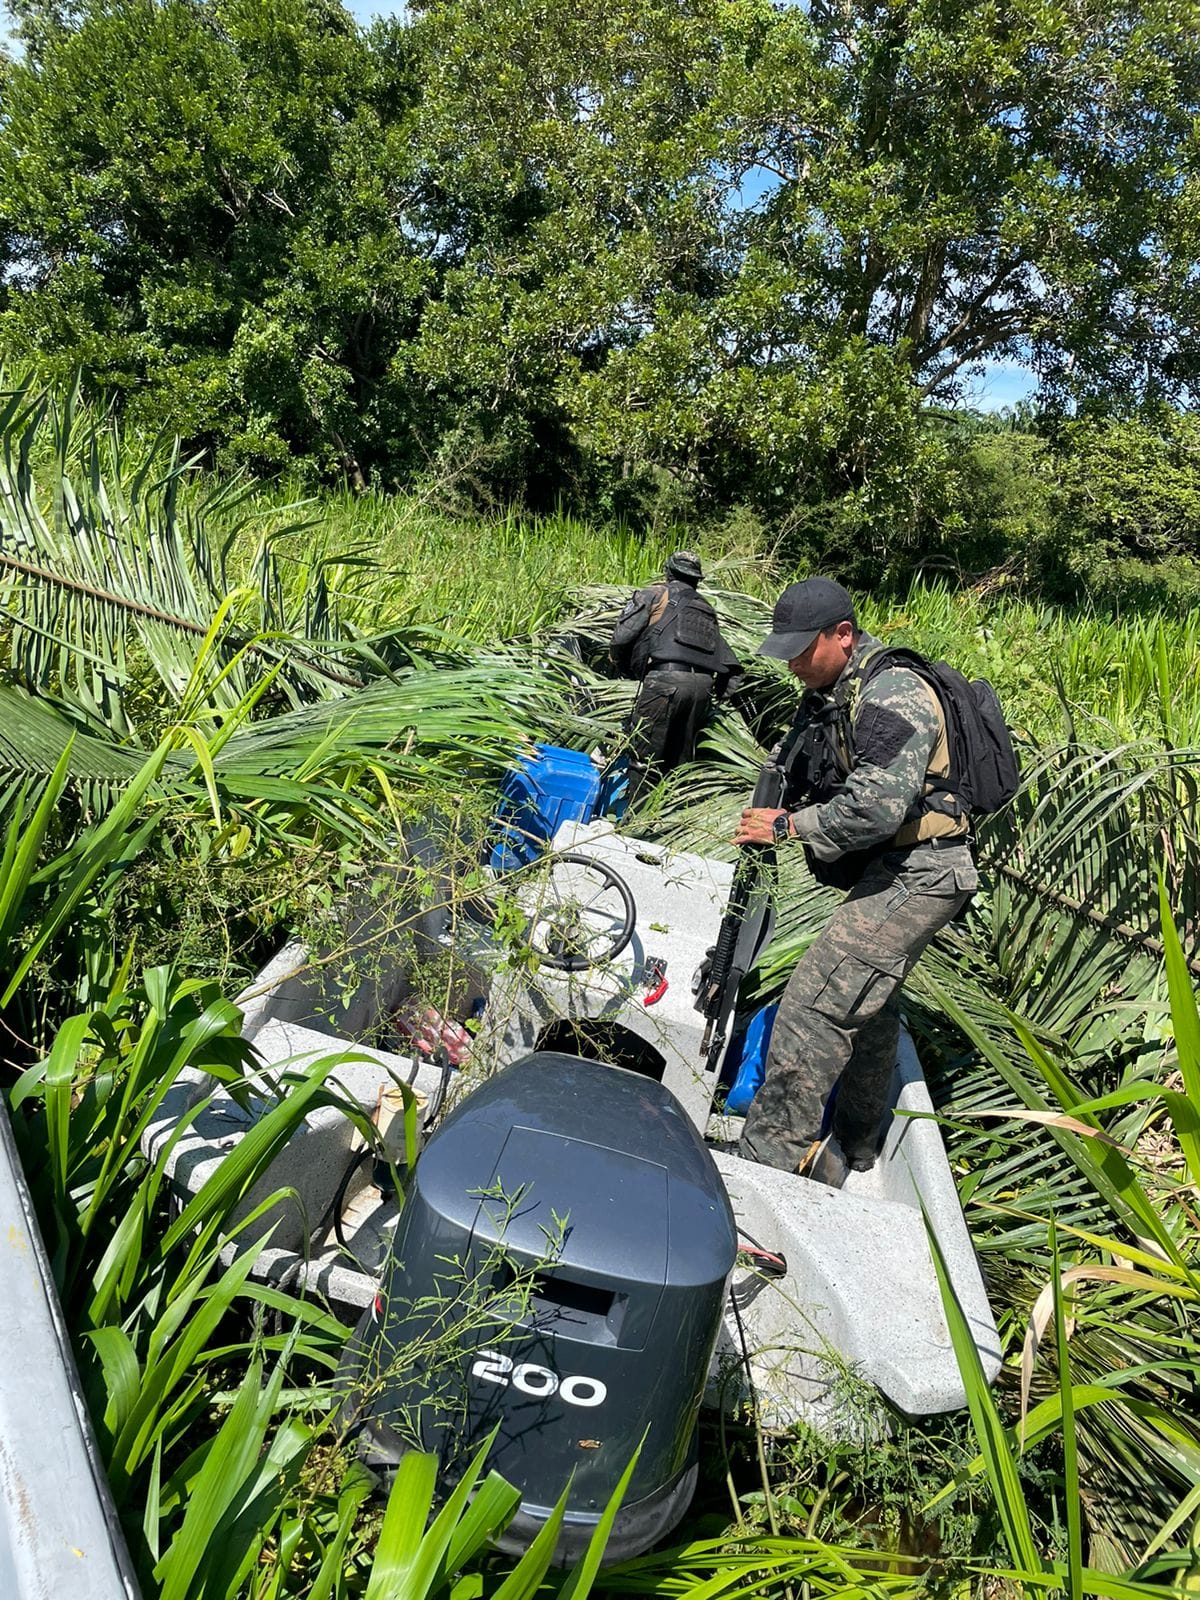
{"points": [[204, 205], [612, 246]]}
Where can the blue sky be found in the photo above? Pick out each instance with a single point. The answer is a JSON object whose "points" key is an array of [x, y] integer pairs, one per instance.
{"points": [[364, 10], [1002, 384]]}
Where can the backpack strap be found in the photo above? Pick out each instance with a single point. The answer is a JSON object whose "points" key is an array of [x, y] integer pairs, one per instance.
{"points": [[939, 811]]}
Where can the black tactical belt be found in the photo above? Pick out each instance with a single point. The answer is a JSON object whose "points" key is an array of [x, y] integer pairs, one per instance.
{"points": [[941, 841]]}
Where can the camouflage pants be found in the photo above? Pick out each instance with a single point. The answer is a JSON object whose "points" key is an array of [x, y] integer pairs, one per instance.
{"points": [[839, 1018]]}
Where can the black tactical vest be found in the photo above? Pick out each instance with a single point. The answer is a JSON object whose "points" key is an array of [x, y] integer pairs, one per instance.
{"points": [[682, 632], [817, 754]]}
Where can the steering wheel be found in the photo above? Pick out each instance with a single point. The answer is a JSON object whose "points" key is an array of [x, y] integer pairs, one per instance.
{"points": [[584, 915]]}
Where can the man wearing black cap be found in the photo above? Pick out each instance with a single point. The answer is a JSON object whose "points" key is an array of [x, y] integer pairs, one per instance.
{"points": [[668, 637], [861, 763]]}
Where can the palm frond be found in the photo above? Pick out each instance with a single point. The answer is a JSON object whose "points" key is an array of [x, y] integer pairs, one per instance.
{"points": [[34, 734], [120, 551]]}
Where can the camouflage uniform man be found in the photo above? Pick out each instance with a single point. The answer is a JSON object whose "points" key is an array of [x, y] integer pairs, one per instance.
{"points": [[668, 636], [858, 760]]}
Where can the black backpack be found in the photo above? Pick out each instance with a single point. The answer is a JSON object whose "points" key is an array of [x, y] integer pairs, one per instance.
{"points": [[984, 771]]}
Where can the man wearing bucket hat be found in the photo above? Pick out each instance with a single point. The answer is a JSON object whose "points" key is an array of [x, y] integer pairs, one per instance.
{"points": [[862, 798], [668, 636]]}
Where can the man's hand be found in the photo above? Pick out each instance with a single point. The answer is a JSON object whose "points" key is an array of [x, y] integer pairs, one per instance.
{"points": [[756, 825]]}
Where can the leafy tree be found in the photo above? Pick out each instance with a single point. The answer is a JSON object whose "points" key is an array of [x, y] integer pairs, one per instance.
{"points": [[1124, 500], [672, 253], [1007, 495], [745, 243], [963, 180], [1132, 485], [202, 197]]}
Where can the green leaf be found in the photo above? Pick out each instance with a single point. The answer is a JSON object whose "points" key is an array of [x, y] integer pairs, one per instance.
{"points": [[408, 1508], [490, 1510], [103, 845], [354, 1491], [579, 1583], [254, 1151], [1070, 1450], [999, 1462], [525, 1579], [233, 1454], [1185, 1020], [23, 841], [122, 1373]]}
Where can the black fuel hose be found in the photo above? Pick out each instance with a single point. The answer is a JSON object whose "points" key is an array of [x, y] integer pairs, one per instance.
{"points": [[357, 1160]]}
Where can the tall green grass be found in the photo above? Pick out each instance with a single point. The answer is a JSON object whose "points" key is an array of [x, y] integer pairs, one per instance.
{"points": [[488, 578], [485, 578]]}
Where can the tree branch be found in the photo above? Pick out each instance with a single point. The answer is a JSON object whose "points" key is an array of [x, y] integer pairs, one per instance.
{"points": [[1000, 330], [968, 316], [930, 281]]}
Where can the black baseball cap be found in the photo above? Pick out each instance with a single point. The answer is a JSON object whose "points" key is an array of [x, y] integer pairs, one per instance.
{"points": [[803, 611]]}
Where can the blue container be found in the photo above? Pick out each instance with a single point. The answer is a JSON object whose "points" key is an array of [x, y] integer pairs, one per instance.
{"points": [[746, 1060], [554, 786]]}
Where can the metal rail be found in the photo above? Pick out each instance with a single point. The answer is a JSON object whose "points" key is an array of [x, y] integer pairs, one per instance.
{"points": [[59, 1534]]}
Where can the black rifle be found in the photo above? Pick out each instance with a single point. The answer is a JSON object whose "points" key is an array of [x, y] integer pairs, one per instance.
{"points": [[717, 994]]}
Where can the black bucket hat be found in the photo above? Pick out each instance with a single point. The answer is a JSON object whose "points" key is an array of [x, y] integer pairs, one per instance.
{"points": [[684, 564], [803, 611]]}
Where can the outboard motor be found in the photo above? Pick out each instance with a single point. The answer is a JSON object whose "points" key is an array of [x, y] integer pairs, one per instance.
{"points": [[559, 1273]]}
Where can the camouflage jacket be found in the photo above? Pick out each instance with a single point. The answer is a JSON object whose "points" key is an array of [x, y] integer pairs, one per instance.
{"points": [[898, 736]]}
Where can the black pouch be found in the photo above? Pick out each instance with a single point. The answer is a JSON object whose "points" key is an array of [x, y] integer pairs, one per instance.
{"points": [[843, 873]]}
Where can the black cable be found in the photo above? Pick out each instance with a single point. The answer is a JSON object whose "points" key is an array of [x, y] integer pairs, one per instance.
{"points": [[359, 1157], [284, 1283], [737, 1317], [771, 1263], [758, 1433], [441, 1058], [334, 1211]]}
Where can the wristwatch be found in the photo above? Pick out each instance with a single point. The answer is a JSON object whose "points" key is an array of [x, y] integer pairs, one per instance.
{"points": [[781, 828]]}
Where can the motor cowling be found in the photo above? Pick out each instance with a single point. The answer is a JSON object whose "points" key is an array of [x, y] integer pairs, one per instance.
{"points": [[559, 1275]]}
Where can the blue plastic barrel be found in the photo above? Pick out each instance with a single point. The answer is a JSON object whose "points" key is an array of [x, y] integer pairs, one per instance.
{"points": [[553, 786]]}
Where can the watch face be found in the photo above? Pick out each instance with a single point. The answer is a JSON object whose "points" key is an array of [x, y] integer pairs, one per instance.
{"points": [[781, 827]]}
